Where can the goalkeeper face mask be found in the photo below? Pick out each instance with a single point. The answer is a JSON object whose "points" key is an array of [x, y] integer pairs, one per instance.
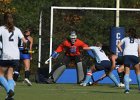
{"points": [[73, 37], [73, 40]]}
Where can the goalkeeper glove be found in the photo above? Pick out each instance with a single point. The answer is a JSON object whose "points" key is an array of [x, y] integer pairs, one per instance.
{"points": [[55, 55]]}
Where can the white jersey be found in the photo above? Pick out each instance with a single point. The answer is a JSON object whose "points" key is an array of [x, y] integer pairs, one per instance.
{"points": [[138, 41], [0, 49], [10, 49], [130, 46], [99, 54], [0, 45]]}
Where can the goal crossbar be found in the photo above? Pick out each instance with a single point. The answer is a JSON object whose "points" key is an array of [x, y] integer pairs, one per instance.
{"points": [[96, 8]]}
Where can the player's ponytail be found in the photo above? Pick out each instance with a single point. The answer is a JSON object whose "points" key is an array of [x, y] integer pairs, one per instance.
{"points": [[8, 21]]}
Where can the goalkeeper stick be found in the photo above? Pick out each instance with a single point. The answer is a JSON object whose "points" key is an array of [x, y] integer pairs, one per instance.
{"points": [[47, 61]]}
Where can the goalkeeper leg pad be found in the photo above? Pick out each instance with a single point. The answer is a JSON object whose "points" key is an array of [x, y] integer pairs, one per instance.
{"points": [[58, 72], [80, 72]]}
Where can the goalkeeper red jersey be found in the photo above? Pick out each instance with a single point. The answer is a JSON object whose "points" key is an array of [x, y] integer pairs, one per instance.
{"points": [[71, 49]]}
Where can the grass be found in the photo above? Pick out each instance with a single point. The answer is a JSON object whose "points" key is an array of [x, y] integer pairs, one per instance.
{"points": [[71, 92]]}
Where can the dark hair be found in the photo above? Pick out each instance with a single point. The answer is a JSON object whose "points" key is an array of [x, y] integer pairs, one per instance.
{"points": [[8, 21], [98, 44], [27, 30], [132, 33]]}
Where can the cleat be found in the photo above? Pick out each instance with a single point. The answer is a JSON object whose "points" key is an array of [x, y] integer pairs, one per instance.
{"points": [[83, 84], [10, 95], [121, 85], [126, 91], [27, 82], [9, 98]]}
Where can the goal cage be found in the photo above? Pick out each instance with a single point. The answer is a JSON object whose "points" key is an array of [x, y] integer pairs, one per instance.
{"points": [[91, 29], [91, 24]]}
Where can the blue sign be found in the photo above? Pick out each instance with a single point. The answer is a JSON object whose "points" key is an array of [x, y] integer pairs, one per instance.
{"points": [[117, 33], [69, 76]]}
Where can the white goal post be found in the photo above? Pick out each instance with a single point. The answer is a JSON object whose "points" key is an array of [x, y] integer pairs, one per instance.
{"points": [[117, 9]]}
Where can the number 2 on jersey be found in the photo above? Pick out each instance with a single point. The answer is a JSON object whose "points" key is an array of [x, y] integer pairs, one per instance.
{"points": [[11, 36]]}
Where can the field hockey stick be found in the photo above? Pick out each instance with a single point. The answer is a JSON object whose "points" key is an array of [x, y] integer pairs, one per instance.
{"points": [[92, 79], [47, 61], [99, 79]]}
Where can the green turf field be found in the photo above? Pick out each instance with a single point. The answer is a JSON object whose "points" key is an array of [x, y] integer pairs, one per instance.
{"points": [[71, 92]]}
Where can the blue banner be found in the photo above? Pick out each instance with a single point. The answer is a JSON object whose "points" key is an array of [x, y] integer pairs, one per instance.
{"points": [[69, 76], [117, 33]]}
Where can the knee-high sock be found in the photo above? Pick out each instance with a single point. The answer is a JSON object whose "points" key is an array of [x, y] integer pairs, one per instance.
{"points": [[16, 75], [126, 81], [4, 83], [121, 76], [27, 74], [11, 83], [88, 76], [138, 80], [113, 78]]}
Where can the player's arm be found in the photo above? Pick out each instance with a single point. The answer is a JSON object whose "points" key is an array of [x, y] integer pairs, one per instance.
{"points": [[31, 42], [139, 50], [86, 48], [89, 51], [119, 46], [24, 40], [20, 35], [113, 60], [82, 44], [59, 49]]}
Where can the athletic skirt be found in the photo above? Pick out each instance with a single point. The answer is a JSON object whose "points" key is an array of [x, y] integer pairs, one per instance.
{"points": [[24, 56]]}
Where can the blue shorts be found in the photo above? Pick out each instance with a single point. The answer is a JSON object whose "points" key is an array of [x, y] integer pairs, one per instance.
{"points": [[104, 65], [130, 60], [120, 60], [24, 56], [11, 63]]}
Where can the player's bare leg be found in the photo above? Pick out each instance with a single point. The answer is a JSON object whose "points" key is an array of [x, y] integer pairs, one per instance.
{"points": [[27, 71]]}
